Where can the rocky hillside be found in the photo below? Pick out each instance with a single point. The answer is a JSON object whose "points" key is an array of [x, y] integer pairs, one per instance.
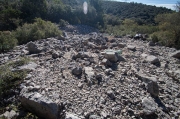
{"points": [[88, 75]]}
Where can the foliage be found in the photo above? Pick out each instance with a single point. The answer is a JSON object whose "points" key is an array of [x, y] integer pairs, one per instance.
{"points": [[7, 41], [9, 15], [11, 79], [32, 9], [142, 14], [38, 30], [169, 27], [62, 23], [130, 27]]}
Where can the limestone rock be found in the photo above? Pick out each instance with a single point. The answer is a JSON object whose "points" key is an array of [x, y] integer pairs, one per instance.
{"points": [[152, 86], [33, 48], [106, 62], [131, 47], [40, 105], [176, 54], [77, 70], [89, 71], [149, 106], [152, 59], [30, 66]]}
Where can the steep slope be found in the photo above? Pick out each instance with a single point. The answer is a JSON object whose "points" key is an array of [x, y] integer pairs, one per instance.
{"points": [[137, 11]]}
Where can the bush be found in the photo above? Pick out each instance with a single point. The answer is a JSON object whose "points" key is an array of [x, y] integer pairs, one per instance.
{"points": [[38, 30], [7, 41], [11, 79], [62, 23], [163, 37]]}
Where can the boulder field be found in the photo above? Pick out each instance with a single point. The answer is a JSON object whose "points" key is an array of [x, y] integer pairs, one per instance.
{"points": [[87, 75]]}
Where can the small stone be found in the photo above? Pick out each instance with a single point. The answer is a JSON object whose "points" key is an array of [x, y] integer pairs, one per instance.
{"points": [[80, 85], [77, 71], [55, 55], [106, 62], [111, 94], [94, 117], [117, 109]]}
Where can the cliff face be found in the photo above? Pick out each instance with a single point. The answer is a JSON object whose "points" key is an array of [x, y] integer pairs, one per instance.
{"points": [[78, 76]]}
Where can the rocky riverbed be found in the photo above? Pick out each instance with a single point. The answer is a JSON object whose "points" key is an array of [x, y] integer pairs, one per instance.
{"points": [[87, 75]]}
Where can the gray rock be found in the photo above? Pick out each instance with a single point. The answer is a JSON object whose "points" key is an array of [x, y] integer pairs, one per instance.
{"points": [[111, 94], [71, 116], [80, 85], [89, 71], [116, 109], [106, 62], [131, 47], [77, 71], [10, 115], [94, 117], [176, 54], [150, 43], [149, 106], [30, 66], [40, 105], [152, 59], [55, 55], [152, 86], [111, 56], [121, 45], [33, 48]]}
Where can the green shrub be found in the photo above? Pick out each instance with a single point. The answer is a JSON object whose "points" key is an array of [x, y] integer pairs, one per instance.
{"points": [[10, 79], [164, 37], [38, 30], [62, 23], [7, 41]]}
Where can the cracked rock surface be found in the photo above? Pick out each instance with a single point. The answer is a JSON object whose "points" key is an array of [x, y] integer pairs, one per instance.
{"points": [[77, 76]]}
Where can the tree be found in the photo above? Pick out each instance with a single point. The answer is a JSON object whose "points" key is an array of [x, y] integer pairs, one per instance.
{"points": [[32, 9], [170, 24], [178, 6]]}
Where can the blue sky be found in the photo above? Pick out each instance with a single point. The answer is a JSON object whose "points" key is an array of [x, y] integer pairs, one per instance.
{"points": [[164, 3]]}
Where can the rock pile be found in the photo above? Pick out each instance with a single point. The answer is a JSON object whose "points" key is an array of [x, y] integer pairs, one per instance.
{"points": [[76, 79]]}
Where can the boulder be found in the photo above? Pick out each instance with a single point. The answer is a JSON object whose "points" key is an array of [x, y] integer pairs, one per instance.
{"points": [[151, 83], [121, 45], [131, 47], [149, 106], [33, 48], [176, 54], [112, 55], [89, 71], [40, 105], [152, 59]]}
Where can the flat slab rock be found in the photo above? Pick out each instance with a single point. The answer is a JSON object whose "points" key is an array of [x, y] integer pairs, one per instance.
{"points": [[41, 106]]}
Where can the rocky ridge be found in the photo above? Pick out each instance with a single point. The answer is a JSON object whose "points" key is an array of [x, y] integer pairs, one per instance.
{"points": [[79, 77]]}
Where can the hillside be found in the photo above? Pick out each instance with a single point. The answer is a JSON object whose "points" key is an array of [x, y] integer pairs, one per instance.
{"points": [[79, 77], [139, 12]]}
